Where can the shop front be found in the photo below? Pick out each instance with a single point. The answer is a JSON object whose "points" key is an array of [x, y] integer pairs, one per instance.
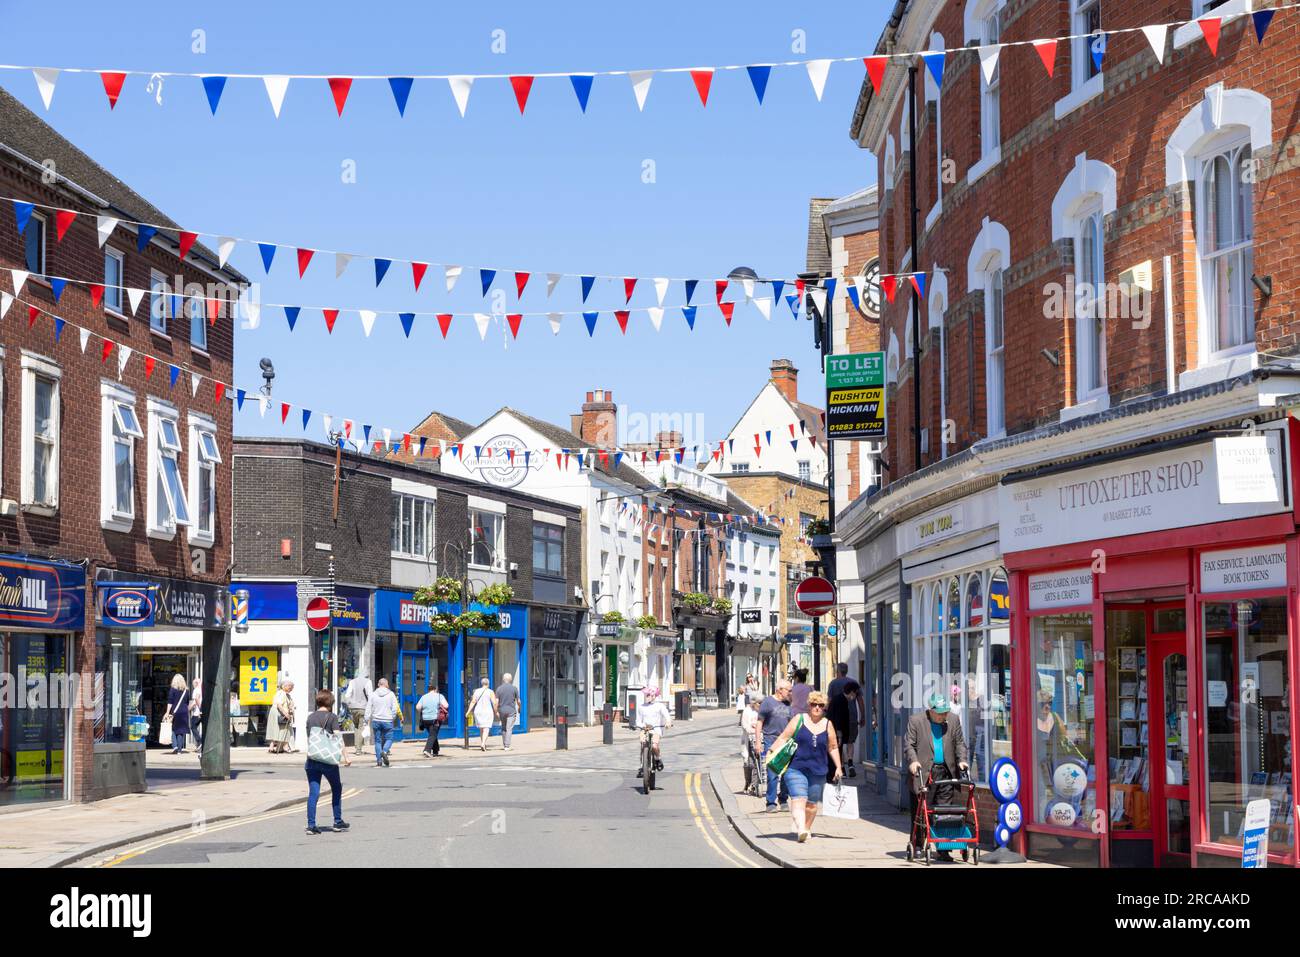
{"points": [[611, 666], [554, 664], [42, 613], [1157, 653]]}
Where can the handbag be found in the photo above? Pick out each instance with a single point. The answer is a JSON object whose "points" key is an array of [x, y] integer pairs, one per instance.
{"points": [[324, 746], [442, 712], [779, 760], [165, 731]]}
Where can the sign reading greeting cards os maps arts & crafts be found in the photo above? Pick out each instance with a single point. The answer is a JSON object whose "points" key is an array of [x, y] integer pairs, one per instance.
{"points": [[855, 396]]}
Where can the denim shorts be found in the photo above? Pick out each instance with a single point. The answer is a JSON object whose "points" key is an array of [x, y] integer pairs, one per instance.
{"points": [[797, 783]]}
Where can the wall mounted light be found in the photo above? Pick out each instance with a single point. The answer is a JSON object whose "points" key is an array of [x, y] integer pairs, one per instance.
{"points": [[1052, 356], [286, 548], [1264, 284]]}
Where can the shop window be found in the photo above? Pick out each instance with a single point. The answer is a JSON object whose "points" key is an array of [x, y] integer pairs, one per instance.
{"points": [[1247, 696], [42, 409], [167, 502], [898, 715], [1128, 737], [413, 527], [119, 430], [998, 690], [1065, 791], [205, 456], [548, 549], [487, 538], [34, 245], [114, 279]]}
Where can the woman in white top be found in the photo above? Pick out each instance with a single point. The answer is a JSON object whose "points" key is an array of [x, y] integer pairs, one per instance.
{"points": [[654, 714], [748, 720], [196, 714], [483, 708]]}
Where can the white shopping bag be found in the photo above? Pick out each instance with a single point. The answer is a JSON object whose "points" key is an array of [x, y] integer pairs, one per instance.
{"points": [[840, 800]]}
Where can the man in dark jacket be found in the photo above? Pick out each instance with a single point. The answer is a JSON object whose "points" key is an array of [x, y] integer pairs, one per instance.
{"points": [[934, 744]]}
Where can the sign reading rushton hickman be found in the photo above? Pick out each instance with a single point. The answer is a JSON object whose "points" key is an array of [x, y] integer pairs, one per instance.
{"points": [[855, 396]]}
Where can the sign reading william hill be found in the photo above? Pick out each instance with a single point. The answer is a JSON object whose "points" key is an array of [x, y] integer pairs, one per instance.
{"points": [[127, 606], [44, 594]]}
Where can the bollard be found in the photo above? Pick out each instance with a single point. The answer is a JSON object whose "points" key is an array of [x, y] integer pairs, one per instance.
{"points": [[561, 729], [607, 720]]}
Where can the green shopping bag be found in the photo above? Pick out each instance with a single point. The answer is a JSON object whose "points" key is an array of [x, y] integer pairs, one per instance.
{"points": [[780, 759]]}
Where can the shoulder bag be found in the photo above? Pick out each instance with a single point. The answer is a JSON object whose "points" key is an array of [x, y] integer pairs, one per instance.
{"points": [[324, 746], [779, 760]]}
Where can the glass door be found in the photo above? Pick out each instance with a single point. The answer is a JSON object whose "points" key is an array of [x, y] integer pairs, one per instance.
{"points": [[1170, 750], [413, 671]]}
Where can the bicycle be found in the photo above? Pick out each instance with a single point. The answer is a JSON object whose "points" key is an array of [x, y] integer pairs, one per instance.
{"points": [[647, 760]]}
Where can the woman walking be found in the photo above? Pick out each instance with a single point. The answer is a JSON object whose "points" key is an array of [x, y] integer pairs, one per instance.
{"points": [[324, 755], [433, 712], [483, 709], [178, 712], [279, 723], [196, 714], [806, 776], [799, 693]]}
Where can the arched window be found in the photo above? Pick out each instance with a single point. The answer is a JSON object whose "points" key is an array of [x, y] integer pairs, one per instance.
{"points": [[990, 256], [938, 306]]}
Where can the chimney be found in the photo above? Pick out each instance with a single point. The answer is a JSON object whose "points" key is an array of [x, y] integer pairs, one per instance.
{"points": [[575, 423], [668, 440], [599, 420], [786, 378]]}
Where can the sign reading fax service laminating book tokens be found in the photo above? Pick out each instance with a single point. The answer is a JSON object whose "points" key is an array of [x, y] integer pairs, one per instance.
{"points": [[855, 396]]}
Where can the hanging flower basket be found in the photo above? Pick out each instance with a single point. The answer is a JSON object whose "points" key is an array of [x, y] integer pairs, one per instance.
{"points": [[443, 591]]}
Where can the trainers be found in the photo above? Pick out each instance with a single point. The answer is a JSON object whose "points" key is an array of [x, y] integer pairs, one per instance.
{"points": [[313, 830], [640, 772], [803, 836], [385, 759], [772, 808], [341, 825]]}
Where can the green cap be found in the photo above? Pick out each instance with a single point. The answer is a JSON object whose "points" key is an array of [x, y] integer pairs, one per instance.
{"points": [[938, 704]]}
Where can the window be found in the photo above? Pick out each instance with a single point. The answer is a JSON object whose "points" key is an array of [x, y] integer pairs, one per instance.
{"points": [[194, 306], [804, 521], [1090, 305], [805, 471], [41, 422], [34, 237], [548, 549], [991, 90], [158, 296], [1226, 242], [740, 467], [413, 526], [114, 270], [121, 427], [1084, 50], [168, 504], [204, 459], [487, 536], [995, 370], [1065, 792]]}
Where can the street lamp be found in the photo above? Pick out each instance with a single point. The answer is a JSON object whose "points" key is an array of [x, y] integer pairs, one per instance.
{"points": [[463, 553]]}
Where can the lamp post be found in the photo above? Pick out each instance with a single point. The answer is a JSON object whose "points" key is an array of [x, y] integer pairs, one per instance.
{"points": [[463, 553]]}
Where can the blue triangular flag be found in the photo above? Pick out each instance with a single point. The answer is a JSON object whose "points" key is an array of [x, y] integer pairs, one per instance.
{"points": [[934, 61], [853, 296], [1098, 47], [381, 270], [758, 75], [689, 313], [408, 320], [291, 313], [1262, 19], [731, 445], [526, 456], [794, 444], [590, 319], [487, 275], [213, 87], [768, 433], [56, 286], [690, 289], [423, 440], [176, 305], [143, 235], [793, 302], [240, 395], [582, 87], [920, 284], [618, 459], [478, 451], [306, 415], [365, 430], [401, 91], [830, 291], [23, 211], [777, 286], [268, 254], [58, 327], [175, 374], [587, 283]]}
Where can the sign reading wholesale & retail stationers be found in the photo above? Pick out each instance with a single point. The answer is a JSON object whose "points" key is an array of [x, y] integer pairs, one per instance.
{"points": [[855, 396]]}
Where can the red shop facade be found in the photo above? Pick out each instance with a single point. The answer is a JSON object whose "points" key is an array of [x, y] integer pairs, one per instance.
{"points": [[1154, 640]]}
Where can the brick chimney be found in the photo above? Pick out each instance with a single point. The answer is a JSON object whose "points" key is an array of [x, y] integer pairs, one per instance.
{"points": [[786, 378], [668, 440], [599, 419]]}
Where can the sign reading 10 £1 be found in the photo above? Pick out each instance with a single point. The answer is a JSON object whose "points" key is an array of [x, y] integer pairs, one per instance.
{"points": [[257, 673], [855, 396]]}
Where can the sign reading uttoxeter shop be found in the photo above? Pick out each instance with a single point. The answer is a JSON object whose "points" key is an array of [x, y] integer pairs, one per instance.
{"points": [[1065, 589], [855, 396], [1173, 489]]}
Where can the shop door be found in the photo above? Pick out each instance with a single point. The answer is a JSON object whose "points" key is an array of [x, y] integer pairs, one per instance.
{"points": [[413, 682], [1170, 751], [548, 688]]}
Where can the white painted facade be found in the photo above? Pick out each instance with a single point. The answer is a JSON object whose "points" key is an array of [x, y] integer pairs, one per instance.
{"points": [[771, 412]]}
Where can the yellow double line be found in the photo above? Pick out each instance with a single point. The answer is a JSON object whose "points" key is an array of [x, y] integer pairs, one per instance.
{"points": [[708, 827], [221, 826]]}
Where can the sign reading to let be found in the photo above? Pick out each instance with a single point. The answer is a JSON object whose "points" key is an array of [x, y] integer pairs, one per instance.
{"points": [[855, 396], [257, 671]]}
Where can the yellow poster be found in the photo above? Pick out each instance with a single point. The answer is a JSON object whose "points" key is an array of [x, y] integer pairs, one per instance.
{"points": [[31, 765], [257, 671]]}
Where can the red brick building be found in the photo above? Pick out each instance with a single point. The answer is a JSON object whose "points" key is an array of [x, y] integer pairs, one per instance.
{"points": [[108, 473]]}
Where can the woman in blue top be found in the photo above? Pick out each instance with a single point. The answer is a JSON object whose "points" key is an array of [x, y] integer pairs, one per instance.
{"points": [[806, 776]]}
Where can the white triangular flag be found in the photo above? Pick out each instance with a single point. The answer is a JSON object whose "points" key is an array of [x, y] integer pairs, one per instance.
{"points": [[327, 421], [861, 283], [551, 279], [481, 320], [819, 298], [105, 225], [818, 70], [195, 379], [84, 335], [656, 314], [368, 320], [765, 307], [225, 246], [641, 85], [460, 87], [1156, 37], [6, 301], [388, 439], [748, 286], [20, 279], [452, 274], [263, 403], [46, 77], [123, 355], [661, 287], [989, 61], [554, 318], [275, 89], [254, 312]]}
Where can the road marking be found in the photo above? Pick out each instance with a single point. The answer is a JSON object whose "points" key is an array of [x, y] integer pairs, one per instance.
{"points": [[717, 828], [220, 826], [735, 860]]}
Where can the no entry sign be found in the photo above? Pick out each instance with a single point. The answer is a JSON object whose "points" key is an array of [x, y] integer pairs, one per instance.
{"points": [[318, 614], [815, 596]]}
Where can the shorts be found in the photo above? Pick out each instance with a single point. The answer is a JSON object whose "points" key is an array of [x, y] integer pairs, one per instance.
{"points": [[847, 733], [797, 783], [656, 734]]}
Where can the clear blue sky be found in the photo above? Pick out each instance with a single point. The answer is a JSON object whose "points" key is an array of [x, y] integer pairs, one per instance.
{"points": [[552, 191]]}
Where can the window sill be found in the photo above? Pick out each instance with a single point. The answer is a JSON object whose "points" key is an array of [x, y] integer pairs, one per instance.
{"points": [[123, 525], [1220, 368], [1084, 94], [159, 334], [114, 316], [1099, 403], [201, 541], [48, 511], [933, 215], [161, 535], [201, 353], [986, 163]]}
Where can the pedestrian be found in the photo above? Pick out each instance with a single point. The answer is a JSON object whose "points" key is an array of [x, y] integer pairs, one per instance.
{"points": [[279, 723], [196, 714], [751, 687], [325, 722], [846, 713], [508, 708], [748, 725], [178, 712], [808, 771], [383, 712], [433, 712], [741, 699], [773, 716], [483, 709], [799, 693], [935, 746], [357, 697]]}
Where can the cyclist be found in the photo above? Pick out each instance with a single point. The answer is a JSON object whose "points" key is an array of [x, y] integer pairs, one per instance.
{"points": [[654, 716]]}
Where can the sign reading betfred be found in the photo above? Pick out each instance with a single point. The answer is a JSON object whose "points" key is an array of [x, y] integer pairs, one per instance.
{"points": [[855, 396]]}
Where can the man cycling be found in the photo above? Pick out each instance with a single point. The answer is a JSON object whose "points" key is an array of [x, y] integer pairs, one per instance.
{"points": [[654, 716]]}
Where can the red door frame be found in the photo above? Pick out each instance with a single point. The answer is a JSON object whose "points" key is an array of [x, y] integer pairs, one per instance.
{"points": [[1161, 647]]}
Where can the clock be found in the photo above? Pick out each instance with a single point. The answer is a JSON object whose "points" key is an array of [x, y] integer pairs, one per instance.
{"points": [[871, 297]]}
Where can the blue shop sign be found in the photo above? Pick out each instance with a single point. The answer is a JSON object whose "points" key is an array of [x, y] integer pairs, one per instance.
{"points": [[127, 605], [395, 611], [37, 594], [278, 601]]}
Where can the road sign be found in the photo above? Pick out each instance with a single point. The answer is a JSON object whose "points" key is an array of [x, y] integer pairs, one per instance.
{"points": [[318, 614], [855, 396], [815, 596]]}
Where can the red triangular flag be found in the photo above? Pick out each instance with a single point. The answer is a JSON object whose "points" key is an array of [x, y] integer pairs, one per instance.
{"points": [[798, 287], [444, 322], [32, 313], [220, 390], [628, 285], [406, 441], [62, 220], [187, 243], [621, 315], [417, 273], [727, 309], [721, 286], [523, 86], [339, 86], [108, 347], [113, 86], [214, 307], [331, 317], [876, 70], [1047, 53], [304, 258], [514, 319], [890, 285], [1210, 27], [703, 79], [96, 294], [149, 362], [284, 412], [521, 280]]}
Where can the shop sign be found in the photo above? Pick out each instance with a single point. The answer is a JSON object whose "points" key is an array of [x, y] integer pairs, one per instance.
{"points": [[257, 671], [1174, 489], [129, 606], [36, 594], [936, 526], [1065, 589], [1254, 835], [1246, 470], [503, 460], [607, 629], [394, 611], [662, 642], [855, 396], [751, 616], [554, 623], [1244, 569]]}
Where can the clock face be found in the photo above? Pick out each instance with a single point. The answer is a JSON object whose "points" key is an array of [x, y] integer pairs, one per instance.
{"points": [[871, 301]]}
